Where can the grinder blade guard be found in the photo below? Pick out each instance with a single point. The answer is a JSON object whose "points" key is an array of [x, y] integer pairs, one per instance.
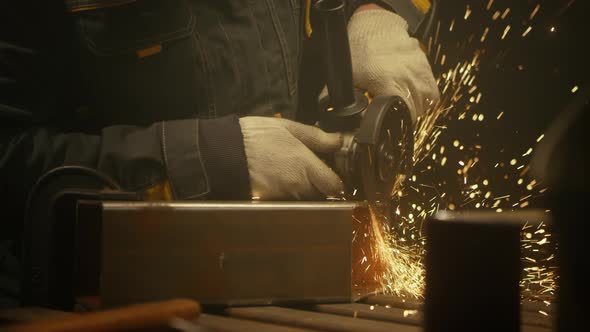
{"points": [[378, 144]]}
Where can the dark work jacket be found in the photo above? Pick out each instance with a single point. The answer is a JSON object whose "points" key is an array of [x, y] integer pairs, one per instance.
{"points": [[141, 91]]}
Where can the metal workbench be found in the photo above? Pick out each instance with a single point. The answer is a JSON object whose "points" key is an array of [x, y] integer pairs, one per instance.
{"points": [[375, 313]]}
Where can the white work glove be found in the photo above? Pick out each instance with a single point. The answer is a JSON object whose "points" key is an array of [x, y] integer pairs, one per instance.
{"points": [[281, 159], [386, 61]]}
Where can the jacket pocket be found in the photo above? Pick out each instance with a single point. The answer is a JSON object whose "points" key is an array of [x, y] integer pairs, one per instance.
{"points": [[135, 26], [141, 63]]}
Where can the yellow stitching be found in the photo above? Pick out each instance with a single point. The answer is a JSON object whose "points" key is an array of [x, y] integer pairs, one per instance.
{"points": [[422, 5], [308, 29], [103, 4], [149, 51], [159, 192]]}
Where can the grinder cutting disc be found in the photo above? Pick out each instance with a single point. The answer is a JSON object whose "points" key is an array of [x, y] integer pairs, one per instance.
{"points": [[385, 147]]}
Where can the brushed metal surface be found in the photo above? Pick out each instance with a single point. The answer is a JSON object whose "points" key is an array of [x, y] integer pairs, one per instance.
{"points": [[241, 253]]}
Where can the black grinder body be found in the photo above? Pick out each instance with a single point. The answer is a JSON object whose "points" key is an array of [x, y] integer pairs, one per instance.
{"points": [[378, 143]]}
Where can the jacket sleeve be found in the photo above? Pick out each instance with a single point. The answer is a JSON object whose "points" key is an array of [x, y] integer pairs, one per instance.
{"points": [[135, 157]]}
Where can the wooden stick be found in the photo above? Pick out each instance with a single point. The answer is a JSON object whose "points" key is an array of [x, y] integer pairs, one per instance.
{"points": [[139, 316]]}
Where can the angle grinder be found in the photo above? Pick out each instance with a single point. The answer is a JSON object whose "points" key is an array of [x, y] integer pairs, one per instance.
{"points": [[378, 144]]}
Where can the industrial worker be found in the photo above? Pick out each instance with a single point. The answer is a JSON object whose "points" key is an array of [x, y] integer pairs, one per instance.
{"points": [[182, 97]]}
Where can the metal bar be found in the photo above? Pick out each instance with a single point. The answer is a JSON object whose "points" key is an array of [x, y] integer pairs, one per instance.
{"points": [[136, 317], [226, 253], [413, 316], [380, 313], [394, 301], [230, 324], [528, 328], [536, 319], [535, 306], [318, 321], [529, 310]]}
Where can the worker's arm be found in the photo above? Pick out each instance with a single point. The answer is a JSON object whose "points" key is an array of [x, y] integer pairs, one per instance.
{"points": [[199, 158], [136, 157]]}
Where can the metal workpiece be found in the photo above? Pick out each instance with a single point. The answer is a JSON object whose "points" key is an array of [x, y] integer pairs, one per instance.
{"points": [[249, 253], [473, 269], [531, 217]]}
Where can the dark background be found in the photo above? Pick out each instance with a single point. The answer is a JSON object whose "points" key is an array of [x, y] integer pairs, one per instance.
{"points": [[529, 79], [553, 62]]}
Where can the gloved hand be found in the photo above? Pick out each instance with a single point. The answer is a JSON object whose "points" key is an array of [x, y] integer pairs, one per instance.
{"points": [[386, 61], [281, 159]]}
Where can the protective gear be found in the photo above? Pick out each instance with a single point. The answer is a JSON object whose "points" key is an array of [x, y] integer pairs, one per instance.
{"points": [[386, 61], [281, 159]]}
